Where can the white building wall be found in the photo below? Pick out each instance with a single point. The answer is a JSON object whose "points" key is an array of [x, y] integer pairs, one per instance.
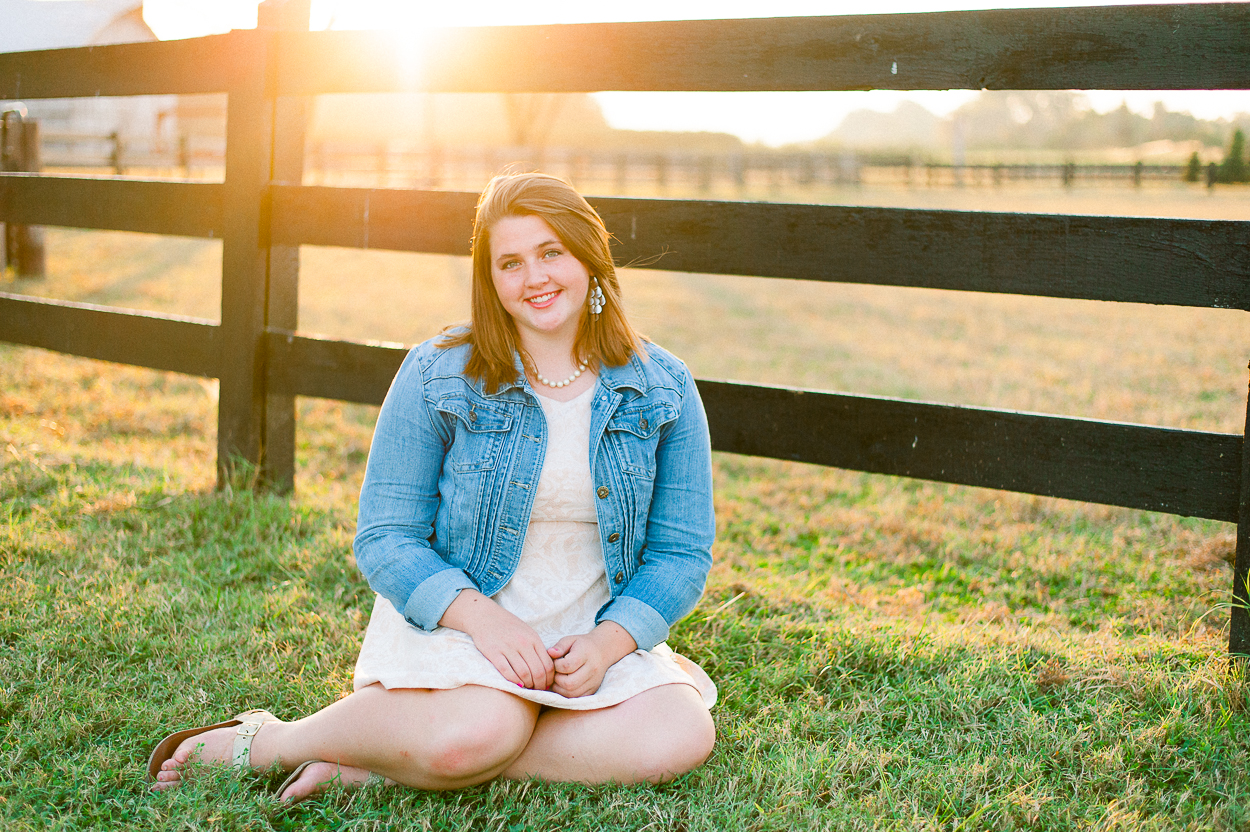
{"points": [[144, 121]]}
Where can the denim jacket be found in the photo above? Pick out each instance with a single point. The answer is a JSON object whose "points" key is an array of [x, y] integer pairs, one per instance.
{"points": [[452, 472]]}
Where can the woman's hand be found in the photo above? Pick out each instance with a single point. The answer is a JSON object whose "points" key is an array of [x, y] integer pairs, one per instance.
{"points": [[506, 641], [582, 660]]}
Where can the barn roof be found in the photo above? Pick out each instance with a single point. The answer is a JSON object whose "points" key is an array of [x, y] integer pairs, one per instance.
{"points": [[54, 24]]}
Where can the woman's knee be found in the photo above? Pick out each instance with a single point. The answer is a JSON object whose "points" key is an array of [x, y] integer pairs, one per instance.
{"points": [[683, 745], [470, 751]]}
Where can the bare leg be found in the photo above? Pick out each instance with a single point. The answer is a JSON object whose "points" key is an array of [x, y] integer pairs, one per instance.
{"points": [[651, 737], [430, 739]]}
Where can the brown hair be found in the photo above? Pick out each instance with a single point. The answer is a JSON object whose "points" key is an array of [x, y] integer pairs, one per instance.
{"points": [[608, 339]]}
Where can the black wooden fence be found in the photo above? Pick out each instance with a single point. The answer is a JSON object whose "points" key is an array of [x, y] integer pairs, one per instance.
{"points": [[263, 363]]}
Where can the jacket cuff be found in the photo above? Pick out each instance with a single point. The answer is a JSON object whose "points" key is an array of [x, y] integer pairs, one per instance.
{"points": [[434, 595], [647, 627]]}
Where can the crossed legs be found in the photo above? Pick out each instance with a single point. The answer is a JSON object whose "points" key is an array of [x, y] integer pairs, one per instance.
{"points": [[449, 739], [651, 737]]}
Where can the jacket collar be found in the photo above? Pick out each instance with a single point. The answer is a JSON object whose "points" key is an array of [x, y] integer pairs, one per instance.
{"points": [[630, 374]]}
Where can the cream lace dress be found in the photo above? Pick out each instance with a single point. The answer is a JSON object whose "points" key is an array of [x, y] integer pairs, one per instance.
{"points": [[559, 586]]}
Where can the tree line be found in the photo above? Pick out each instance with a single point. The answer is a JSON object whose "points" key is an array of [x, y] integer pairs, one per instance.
{"points": [[1234, 168]]}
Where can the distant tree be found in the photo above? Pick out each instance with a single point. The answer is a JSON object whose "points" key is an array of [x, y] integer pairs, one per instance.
{"points": [[1179, 127], [531, 117], [1193, 170], [1234, 168]]}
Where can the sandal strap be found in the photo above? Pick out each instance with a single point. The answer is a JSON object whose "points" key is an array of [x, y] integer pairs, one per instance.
{"points": [[249, 725]]}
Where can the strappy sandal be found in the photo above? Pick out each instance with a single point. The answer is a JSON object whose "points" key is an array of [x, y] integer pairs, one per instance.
{"points": [[249, 723], [374, 779]]}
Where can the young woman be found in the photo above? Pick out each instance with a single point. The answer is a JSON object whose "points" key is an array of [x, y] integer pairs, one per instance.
{"points": [[536, 512]]}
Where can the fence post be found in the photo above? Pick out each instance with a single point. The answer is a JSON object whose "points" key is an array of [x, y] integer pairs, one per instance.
{"points": [[22, 246], [245, 260], [290, 116], [434, 166], [382, 162], [115, 157], [8, 162], [807, 169], [1239, 619], [706, 168], [622, 173], [319, 162]]}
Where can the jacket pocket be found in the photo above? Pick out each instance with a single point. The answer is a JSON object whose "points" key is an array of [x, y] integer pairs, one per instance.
{"points": [[633, 432], [479, 433]]}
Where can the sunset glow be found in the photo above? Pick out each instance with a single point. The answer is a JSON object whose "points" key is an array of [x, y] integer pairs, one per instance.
{"points": [[772, 118]]}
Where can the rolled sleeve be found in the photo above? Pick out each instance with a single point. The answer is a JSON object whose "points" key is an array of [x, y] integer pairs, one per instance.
{"points": [[647, 627], [434, 595]]}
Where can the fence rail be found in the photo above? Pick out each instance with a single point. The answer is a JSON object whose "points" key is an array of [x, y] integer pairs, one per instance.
{"points": [[1176, 471], [263, 361]]}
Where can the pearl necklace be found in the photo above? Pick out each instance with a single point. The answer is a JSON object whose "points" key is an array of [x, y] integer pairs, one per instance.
{"points": [[557, 384]]}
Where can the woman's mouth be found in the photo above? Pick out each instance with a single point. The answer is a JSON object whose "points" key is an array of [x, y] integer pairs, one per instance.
{"points": [[542, 300]]}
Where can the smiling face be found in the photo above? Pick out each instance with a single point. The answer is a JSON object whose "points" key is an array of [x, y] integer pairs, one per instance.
{"points": [[539, 282]]}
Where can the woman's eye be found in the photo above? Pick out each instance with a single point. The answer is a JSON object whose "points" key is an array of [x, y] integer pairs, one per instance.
{"points": [[511, 264], [555, 252]]}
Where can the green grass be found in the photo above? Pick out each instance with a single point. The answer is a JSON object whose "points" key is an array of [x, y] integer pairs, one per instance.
{"points": [[891, 654]]}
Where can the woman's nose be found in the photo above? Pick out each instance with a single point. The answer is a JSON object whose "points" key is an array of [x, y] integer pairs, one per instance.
{"points": [[535, 274]]}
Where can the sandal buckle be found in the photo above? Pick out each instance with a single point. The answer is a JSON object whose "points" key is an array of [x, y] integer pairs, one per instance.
{"points": [[248, 729]]}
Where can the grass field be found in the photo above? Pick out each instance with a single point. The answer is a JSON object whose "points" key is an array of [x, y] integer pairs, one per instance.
{"points": [[891, 654]]}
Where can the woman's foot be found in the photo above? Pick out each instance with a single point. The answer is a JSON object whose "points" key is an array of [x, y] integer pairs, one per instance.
{"points": [[227, 745], [317, 777]]}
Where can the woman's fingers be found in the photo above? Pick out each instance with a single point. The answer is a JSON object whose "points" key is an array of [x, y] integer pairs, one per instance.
{"points": [[569, 663], [573, 681], [512, 664], [561, 647], [504, 667], [577, 650], [579, 672], [567, 685], [527, 666], [528, 669], [540, 668], [573, 685]]}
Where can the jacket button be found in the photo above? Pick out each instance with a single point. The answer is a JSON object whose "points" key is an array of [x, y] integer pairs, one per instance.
{"points": [[618, 577], [615, 536], [472, 415], [603, 492], [643, 424]]}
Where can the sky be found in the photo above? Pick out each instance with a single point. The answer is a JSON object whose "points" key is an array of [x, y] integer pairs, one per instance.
{"points": [[770, 118]]}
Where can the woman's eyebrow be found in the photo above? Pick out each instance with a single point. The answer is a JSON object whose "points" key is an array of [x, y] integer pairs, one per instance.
{"points": [[543, 244]]}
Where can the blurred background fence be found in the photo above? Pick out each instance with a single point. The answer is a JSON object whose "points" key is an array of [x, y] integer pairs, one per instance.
{"points": [[408, 164]]}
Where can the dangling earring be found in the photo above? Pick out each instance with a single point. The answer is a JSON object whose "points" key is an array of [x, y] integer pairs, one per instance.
{"points": [[595, 297]]}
